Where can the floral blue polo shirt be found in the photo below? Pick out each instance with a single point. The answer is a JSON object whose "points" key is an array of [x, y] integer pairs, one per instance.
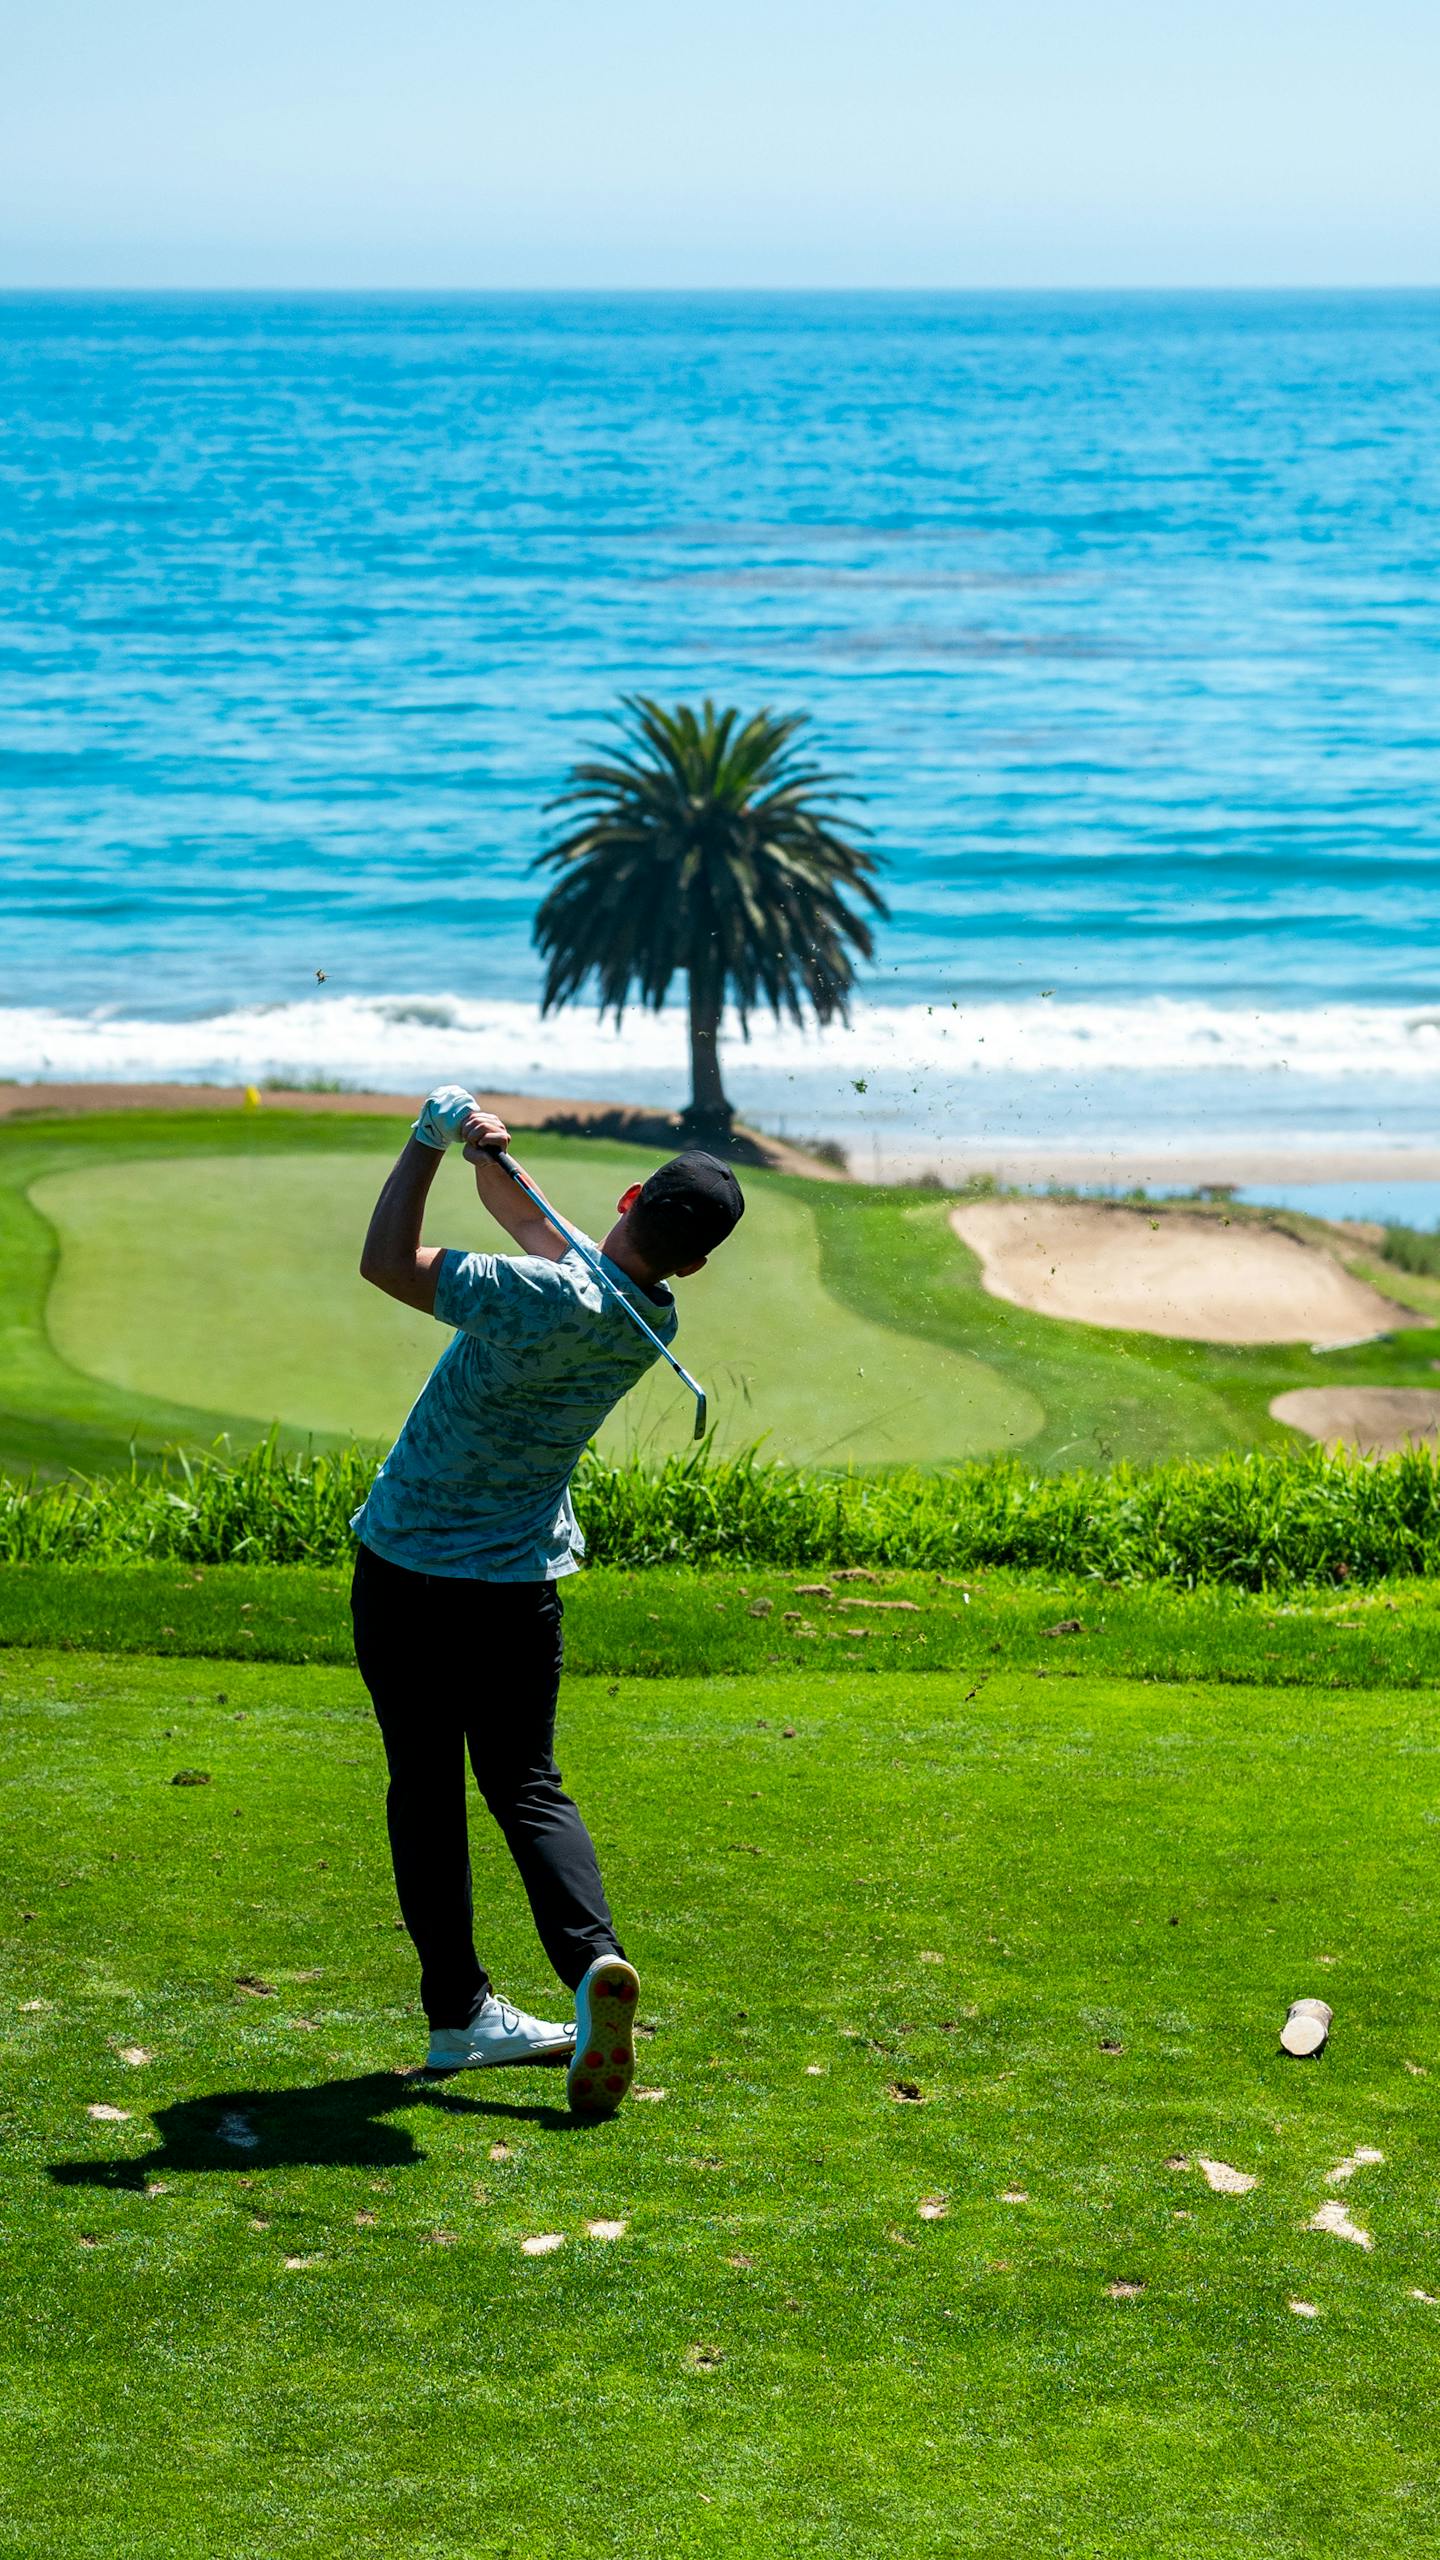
{"points": [[478, 1483]]}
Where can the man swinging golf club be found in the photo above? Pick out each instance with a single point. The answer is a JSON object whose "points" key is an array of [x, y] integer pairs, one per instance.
{"points": [[465, 1537]]}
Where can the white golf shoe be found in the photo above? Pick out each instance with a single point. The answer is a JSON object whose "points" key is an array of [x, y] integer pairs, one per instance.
{"points": [[498, 2035], [603, 2063]]}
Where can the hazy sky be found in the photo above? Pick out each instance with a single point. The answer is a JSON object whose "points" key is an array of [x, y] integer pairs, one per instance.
{"points": [[763, 142]]}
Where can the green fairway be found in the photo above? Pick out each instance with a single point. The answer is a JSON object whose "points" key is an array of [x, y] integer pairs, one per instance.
{"points": [[952, 1984], [164, 1278], [253, 1304]]}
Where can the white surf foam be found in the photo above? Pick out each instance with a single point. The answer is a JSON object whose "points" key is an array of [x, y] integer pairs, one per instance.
{"points": [[917, 1065], [387, 1040]]}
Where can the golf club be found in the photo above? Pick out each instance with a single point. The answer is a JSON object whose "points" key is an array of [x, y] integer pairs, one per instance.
{"points": [[593, 1264]]}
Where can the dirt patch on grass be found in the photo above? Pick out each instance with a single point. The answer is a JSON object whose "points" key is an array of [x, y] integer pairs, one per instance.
{"points": [[1225, 2181], [1375, 1419], [1335, 2219], [1364, 2156], [1188, 1277]]}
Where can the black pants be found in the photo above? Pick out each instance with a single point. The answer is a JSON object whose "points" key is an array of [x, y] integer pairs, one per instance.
{"points": [[455, 1666]]}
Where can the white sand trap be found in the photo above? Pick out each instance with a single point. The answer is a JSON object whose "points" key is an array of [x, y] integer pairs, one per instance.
{"points": [[1188, 1277], [1378, 1420]]}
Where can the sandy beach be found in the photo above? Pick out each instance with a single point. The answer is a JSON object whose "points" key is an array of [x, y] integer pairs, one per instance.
{"points": [[1119, 1169], [1159, 1167], [569, 1118]]}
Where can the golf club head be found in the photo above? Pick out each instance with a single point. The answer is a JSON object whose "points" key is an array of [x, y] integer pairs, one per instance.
{"points": [[700, 1415]]}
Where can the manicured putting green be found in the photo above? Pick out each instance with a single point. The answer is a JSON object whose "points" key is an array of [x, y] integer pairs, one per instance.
{"points": [[233, 1286]]}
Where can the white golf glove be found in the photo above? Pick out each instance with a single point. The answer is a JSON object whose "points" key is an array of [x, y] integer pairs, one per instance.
{"points": [[444, 1116]]}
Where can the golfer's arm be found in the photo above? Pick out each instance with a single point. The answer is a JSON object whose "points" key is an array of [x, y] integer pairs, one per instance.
{"points": [[393, 1257], [511, 1210]]}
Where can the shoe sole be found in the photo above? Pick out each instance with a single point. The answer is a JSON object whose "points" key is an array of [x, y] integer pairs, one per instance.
{"points": [[603, 2064]]}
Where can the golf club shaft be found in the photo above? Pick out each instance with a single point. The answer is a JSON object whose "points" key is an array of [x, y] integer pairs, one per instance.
{"points": [[594, 1265]]}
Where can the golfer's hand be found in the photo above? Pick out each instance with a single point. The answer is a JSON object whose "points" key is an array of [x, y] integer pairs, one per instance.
{"points": [[444, 1116], [484, 1135]]}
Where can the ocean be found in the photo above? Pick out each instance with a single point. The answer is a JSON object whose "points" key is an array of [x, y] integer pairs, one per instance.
{"points": [[1121, 612]]}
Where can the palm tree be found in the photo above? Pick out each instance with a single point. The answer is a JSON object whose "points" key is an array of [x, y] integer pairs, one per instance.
{"points": [[705, 844]]}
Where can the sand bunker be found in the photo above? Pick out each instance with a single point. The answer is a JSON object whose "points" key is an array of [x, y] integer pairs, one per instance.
{"points": [[1188, 1277], [1375, 1419]]}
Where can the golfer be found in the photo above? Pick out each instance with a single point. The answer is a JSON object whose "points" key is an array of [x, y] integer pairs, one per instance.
{"points": [[465, 1538]]}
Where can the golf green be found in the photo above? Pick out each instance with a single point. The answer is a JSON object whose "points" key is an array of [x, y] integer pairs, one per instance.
{"points": [[231, 1285], [953, 1989], [168, 1276]]}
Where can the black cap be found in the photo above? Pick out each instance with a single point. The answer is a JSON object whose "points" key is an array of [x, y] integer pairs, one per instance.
{"points": [[698, 1200]]}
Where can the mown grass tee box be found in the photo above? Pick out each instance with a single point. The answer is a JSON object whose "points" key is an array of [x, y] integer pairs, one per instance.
{"points": [[949, 2000]]}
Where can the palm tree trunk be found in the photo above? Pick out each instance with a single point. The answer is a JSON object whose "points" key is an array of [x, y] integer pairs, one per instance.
{"points": [[709, 1119]]}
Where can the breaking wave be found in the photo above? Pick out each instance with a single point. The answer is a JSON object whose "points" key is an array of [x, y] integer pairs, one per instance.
{"points": [[390, 1043]]}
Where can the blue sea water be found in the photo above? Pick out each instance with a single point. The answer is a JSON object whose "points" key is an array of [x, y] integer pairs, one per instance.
{"points": [[1123, 613]]}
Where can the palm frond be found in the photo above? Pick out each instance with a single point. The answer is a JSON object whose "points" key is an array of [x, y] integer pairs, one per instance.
{"points": [[707, 843]]}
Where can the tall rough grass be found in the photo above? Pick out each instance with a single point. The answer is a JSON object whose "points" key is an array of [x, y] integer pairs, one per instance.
{"points": [[1413, 1249], [1260, 1522]]}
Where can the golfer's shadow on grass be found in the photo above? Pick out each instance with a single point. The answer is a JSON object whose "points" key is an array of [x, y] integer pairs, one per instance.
{"points": [[331, 2124]]}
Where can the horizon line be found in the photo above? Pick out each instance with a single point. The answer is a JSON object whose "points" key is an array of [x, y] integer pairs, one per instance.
{"points": [[695, 292]]}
